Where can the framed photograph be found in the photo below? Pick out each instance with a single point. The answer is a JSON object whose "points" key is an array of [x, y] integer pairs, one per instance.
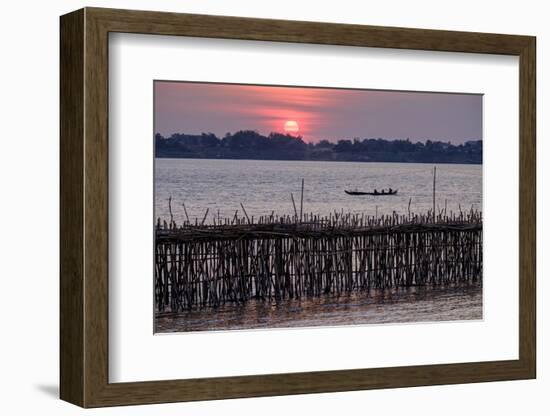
{"points": [[255, 207]]}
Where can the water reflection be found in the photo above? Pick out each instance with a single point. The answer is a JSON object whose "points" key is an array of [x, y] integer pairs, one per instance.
{"points": [[264, 186], [415, 304]]}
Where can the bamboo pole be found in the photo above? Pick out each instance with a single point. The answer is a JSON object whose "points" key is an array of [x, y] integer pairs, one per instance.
{"points": [[170, 209], [210, 265], [185, 211], [294, 205], [433, 208], [302, 200]]}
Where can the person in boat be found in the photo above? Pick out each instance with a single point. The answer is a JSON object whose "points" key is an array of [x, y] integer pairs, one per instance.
{"points": [[375, 192], [390, 191], [383, 192]]}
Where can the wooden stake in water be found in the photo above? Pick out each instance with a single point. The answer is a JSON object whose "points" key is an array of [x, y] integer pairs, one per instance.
{"points": [[170, 209], [209, 266], [245, 213], [302, 201], [434, 193], [205, 215], [294, 205], [186, 214]]}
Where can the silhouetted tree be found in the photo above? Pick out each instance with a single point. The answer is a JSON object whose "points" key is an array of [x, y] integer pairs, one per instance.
{"points": [[251, 144]]}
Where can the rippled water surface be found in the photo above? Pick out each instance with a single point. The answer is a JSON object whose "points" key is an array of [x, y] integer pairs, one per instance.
{"points": [[263, 186], [418, 304]]}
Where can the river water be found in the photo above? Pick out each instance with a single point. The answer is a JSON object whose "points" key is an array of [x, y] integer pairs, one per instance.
{"points": [[416, 304], [264, 187]]}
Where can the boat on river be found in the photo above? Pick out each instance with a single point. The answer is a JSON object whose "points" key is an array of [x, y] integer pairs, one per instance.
{"points": [[375, 193]]}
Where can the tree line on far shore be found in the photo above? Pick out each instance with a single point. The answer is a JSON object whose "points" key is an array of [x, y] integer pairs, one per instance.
{"points": [[248, 144]]}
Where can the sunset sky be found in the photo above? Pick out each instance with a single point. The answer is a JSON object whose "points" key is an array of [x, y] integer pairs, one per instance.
{"points": [[316, 113]]}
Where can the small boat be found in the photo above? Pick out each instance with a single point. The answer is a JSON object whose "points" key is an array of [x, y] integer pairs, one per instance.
{"points": [[393, 192]]}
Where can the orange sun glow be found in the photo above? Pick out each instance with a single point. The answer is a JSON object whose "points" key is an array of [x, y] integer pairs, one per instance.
{"points": [[291, 127]]}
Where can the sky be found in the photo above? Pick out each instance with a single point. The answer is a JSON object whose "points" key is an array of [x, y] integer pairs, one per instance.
{"points": [[316, 113]]}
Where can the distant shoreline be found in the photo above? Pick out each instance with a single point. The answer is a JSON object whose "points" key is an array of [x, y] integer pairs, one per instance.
{"points": [[251, 145], [316, 160]]}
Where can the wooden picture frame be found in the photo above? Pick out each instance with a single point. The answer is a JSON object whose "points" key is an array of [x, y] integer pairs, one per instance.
{"points": [[84, 207]]}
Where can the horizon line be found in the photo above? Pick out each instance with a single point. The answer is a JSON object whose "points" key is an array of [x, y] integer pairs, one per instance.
{"points": [[334, 140]]}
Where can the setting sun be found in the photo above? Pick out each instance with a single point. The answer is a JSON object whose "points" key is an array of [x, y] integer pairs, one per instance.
{"points": [[291, 127]]}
